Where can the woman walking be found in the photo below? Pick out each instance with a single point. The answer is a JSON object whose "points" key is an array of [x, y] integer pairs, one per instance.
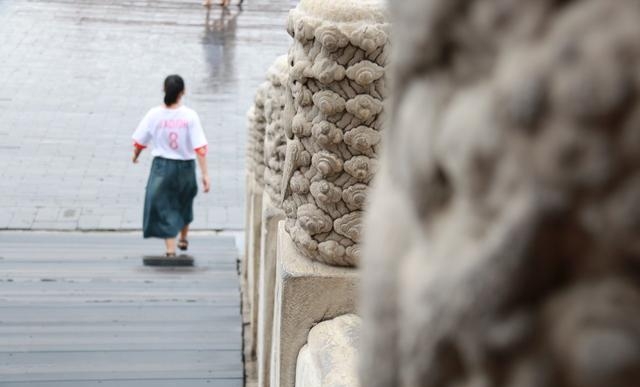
{"points": [[177, 140]]}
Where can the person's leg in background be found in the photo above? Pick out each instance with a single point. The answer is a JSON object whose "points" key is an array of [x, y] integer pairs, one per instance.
{"points": [[170, 244], [183, 243]]}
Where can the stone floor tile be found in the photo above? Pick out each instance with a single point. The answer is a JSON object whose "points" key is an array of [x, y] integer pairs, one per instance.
{"points": [[80, 76]]}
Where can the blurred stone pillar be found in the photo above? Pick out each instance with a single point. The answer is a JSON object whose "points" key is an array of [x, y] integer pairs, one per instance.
{"points": [[253, 226], [272, 214], [336, 90], [501, 243]]}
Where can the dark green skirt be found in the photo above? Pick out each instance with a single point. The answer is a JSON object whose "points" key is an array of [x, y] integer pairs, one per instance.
{"points": [[168, 204]]}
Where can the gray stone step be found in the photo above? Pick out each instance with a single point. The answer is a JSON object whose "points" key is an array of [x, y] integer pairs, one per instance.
{"points": [[80, 309]]}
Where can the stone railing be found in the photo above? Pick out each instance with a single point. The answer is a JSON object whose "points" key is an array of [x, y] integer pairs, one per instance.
{"points": [[319, 116]]}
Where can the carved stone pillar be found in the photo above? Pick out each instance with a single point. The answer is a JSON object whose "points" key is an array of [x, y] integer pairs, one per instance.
{"points": [[275, 117], [253, 226], [336, 89], [254, 162], [272, 214], [256, 134], [337, 83], [501, 244]]}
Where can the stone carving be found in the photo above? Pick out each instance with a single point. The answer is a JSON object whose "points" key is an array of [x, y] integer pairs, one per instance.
{"points": [[354, 197], [326, 133], [328, 102], [361, 168], [365, 73], [330, 356], [349, 226], [364, 107], [275, 118], [501, 243], [255, 160], [363, 139], [336, 92]]}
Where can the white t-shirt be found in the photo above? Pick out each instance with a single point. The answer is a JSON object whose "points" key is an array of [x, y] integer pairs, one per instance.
{"points": [[175, 133]]}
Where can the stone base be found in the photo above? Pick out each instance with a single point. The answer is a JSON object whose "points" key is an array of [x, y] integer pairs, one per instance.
{"points": [[330, 357], [271, 217], [307, 292]]}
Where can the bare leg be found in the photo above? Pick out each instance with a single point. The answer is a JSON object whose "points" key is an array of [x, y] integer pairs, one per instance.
{"points": [[183, 243], [184, 232], [170, 244]]}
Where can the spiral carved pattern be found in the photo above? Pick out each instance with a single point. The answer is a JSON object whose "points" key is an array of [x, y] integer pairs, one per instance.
{"points": [[255, 162], [275, 117], [336, 88]]}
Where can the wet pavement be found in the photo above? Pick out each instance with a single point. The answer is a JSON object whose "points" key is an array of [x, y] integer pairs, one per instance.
{"points": [[76, 76]]}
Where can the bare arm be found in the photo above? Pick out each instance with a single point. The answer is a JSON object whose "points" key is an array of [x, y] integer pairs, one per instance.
{"points": [[136, 153], [202, 162]]}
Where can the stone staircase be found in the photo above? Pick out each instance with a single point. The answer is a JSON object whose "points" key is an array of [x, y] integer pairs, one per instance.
{"points": [[79, 310]]}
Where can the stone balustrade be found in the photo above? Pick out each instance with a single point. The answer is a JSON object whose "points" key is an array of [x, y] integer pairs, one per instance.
{"points": [[314, 138], [500, 239]]}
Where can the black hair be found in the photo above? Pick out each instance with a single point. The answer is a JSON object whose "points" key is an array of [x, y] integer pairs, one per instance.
{"points": [[173, 86]]}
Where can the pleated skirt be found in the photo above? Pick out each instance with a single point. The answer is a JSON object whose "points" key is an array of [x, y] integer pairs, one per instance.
{"points": [[168, 204]]}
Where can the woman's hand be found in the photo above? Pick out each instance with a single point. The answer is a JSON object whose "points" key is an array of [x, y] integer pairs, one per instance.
{"points": [[206, 183], [202, 161]]}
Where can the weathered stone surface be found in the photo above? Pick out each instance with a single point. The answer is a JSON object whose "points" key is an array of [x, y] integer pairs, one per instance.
{"points": [[257, 123], [336, 91], [249, 184], [253, 232], [265, 157], [275, 118], [501, 245], [307, 292], [329, 359], [271, 217]]}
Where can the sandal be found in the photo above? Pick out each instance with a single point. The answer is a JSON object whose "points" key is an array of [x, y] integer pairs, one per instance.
{"points": [[170, 255], [183, 244]]}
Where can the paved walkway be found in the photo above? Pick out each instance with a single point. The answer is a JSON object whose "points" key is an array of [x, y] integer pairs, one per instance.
{"points": [[79, 310], [77, 76]]}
